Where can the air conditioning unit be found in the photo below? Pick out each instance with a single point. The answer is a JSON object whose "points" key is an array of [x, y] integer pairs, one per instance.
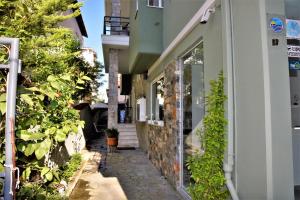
{"points": [[141, 110]]}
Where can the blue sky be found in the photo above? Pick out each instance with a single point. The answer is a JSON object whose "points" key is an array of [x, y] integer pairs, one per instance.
{"points": [[93, 13]]}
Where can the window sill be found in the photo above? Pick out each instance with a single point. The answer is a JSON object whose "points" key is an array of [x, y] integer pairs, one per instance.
{"points": [[156, 123], [154, 6]]}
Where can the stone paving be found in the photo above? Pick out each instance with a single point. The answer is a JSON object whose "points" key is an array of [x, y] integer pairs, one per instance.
{"points": [[125, 174]]}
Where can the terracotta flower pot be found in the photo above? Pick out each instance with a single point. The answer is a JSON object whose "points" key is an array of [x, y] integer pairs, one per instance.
{"points": [[112, 142]]}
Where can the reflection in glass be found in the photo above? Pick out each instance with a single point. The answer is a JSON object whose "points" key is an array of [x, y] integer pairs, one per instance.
{"points": [[193, 104], [158, 100]]}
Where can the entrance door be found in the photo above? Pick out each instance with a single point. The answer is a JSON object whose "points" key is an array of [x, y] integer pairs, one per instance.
{"points": [[192, 105]]}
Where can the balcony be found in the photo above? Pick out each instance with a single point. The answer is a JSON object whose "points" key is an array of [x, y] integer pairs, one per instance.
{"points": [[116, 25], [116, 36]]}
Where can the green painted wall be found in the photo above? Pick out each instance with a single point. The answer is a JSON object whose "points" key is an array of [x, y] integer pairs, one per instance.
{"points": [[263, 126], [145, 36], [176, 14]]}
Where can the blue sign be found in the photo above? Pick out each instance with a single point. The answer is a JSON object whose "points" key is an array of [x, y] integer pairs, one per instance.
{"points": [[293, 28], [276, 25], [294, 64]]}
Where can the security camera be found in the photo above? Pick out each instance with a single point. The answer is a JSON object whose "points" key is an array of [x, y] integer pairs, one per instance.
{"points": [[206, 15]]}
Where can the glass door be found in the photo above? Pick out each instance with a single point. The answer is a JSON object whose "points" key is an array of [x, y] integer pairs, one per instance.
{"points": [[192, 106]]}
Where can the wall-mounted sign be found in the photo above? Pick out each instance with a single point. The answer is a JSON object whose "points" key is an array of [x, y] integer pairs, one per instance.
{"points": [[293, 29], [276, 25], [293, 51], [294, 64]]}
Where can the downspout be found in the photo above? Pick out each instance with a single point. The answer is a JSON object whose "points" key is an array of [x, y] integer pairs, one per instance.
{"points": [[228, 167]]}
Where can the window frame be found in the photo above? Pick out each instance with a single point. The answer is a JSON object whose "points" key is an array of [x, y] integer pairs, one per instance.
{"points": [[160, 4], [154, 121], [180, 60]]}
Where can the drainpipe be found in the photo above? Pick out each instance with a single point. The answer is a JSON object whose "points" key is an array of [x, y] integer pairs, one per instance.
{"points": [[228, 167]]}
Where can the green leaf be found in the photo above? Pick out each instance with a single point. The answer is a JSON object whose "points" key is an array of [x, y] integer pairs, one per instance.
{"points": [[56, 85], [1, 168], [81, 124], [27, 99], [40, 97], [80, 88], [26, 173], [53, 104], [56, 175], [30, 149], [3, 97], [60, 136], [21, 147], [50, 131], [79, 81], [86, 78], [34, 89], [51, 78], [26, 136], [49, 176], [3, 107], [43, 149], [66, 77], [74, 128], [66, 129], [45, 170]]}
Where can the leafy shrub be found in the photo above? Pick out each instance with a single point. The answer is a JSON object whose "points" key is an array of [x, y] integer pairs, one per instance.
{"points": [[112, 133], [207, 168], [71, 167], [35, 191]]}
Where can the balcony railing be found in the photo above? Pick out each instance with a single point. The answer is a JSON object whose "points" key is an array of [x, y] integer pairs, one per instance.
{"points": [[116, 25]]}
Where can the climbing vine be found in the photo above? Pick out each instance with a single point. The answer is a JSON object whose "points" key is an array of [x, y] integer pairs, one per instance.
{"points": [[206, 168]]}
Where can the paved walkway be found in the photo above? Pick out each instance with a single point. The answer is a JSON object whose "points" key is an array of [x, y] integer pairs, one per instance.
{"points": [[126, 174]]}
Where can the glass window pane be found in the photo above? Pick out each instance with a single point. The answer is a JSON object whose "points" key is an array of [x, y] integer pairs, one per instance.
{"points": [[193, 104], [158, 100]]}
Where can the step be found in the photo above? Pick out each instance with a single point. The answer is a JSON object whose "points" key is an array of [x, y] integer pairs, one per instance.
{"points": [[127, 133], [126, 126], [128, 137], [127, 130], [128, 145]]}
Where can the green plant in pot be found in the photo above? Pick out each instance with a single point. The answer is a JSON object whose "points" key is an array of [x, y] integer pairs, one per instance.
{"points": [[112, 136]]}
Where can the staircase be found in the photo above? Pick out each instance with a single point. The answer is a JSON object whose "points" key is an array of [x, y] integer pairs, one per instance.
{"points": [[127, 136]]}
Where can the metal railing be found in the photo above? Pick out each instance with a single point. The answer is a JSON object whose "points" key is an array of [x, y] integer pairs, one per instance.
{"points": [[116, 25]]}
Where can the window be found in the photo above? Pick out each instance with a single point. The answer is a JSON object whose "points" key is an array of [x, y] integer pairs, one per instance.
{"points": [[157, 100], [193, 102], [156, 3]]}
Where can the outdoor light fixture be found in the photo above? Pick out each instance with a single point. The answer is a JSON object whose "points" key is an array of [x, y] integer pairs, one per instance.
{"points": [[206, 15]]}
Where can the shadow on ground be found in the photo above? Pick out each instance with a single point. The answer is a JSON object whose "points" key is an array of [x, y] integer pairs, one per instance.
{"points": [[125, 174]]}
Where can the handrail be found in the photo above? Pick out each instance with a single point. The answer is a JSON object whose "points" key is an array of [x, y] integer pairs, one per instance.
{"points": [[116, 25]]}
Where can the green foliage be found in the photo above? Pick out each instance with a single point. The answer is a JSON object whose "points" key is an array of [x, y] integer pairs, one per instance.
{"points": [[54, 76], [71, 167], [35, 191], [207, 168], [112, 133]]}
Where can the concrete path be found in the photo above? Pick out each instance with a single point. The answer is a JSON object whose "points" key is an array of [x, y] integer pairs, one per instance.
{"points": [[126, 174]]}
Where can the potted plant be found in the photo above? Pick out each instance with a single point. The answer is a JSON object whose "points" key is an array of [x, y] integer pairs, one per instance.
{"points": [[112, 137]]}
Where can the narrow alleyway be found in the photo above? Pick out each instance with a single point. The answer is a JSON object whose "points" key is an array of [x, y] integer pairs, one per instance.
{"points": [[126, 174]]}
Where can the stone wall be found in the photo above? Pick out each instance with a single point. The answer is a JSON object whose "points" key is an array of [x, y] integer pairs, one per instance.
{"points": [[160, 142], [113, 89]]}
